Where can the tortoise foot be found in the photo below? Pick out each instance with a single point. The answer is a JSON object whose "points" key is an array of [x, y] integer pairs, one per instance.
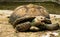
{"points": [[52, 26]]}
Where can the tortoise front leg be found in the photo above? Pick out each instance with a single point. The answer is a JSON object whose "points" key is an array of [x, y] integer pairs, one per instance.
{"points": [[23, 26]]}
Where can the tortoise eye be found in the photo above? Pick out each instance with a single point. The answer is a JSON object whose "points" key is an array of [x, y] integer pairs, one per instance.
{"points": [[54, 16], [41, 18]]}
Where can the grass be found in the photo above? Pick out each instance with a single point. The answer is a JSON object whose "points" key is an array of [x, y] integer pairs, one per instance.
{"points": [[50, 6]]}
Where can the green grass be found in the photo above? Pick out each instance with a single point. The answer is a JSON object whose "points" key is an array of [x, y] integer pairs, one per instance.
{"points": [[50, 6]]}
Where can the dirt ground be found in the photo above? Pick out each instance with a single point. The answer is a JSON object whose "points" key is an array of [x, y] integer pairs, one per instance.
{"points": [[7, 30]]}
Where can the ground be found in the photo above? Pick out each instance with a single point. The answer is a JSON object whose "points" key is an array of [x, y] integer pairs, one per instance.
{"points": [[7, 30]]}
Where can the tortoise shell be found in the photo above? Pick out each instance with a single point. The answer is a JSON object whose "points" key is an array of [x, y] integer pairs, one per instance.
{"points": [[27, 12]]}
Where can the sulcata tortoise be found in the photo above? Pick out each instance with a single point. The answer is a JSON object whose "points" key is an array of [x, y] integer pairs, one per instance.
{"points": [[26, 16]]}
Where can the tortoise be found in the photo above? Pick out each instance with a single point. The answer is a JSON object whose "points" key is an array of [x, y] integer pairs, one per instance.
{"points": [[24, 15]]}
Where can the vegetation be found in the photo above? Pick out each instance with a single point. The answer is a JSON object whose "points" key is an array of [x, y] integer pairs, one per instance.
{"points": [[52, 7]]}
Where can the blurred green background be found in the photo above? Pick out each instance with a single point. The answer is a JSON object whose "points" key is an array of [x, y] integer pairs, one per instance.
{"points": [[52, 7]]}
